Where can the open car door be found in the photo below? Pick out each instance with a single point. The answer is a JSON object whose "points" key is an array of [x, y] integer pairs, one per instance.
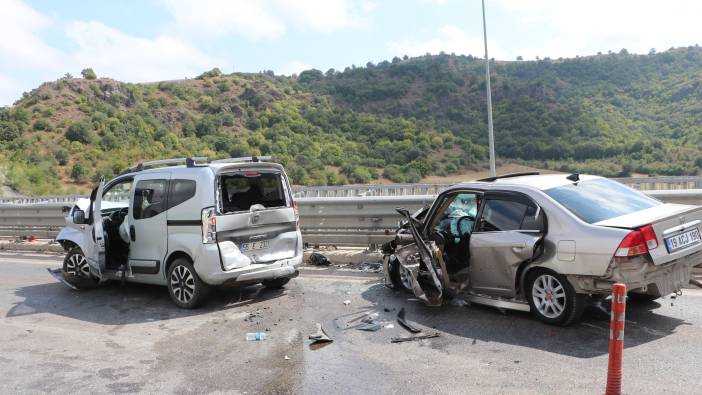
{"points": [[429, 275], [509, 231], [95, 235]]}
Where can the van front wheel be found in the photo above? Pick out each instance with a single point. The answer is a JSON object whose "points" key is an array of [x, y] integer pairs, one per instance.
{"points": [[185, 287]]}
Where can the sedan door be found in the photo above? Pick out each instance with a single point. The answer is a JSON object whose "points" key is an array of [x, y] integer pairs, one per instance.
{"points": [[508, 231]]}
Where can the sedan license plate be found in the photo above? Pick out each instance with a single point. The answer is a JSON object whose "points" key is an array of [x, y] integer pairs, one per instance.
{"points": [[683, 240], [255, 245]]}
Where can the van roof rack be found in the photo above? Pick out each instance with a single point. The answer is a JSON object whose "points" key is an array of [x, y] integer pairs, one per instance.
{"points": [[245, 159], [510, 175], [193, 161]]}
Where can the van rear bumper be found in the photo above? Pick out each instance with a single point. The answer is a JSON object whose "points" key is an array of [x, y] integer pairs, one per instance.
{"points": [[210, 270]]}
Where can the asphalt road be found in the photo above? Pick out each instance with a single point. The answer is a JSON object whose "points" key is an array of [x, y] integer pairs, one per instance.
{"points": [[132, 339]]}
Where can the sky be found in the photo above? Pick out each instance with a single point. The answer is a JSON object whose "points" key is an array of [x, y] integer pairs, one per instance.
{"points": [[153, 40]]}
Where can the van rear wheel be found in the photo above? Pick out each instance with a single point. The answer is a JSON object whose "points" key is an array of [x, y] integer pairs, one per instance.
{"points": [[185, 287], [275, 283]]}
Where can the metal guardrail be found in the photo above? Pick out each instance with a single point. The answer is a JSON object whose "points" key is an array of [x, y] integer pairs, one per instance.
{"points": [[327, 221]]}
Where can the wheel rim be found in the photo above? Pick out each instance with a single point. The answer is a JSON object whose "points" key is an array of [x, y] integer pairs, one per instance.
{"points": [[77, 265], [549, 296], [405, 277], [182, 284]]}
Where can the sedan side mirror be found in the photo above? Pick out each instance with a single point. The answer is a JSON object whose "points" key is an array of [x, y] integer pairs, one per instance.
{"points": [[78, 216]]}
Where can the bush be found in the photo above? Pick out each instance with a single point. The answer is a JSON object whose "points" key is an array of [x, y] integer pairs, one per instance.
{"points": [[42, 124], [80, 132], [88, 74], [80, 173]]}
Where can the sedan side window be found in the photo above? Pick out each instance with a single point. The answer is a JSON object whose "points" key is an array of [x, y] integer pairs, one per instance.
{"points": [[502, 215], [458, 218], [149, 198]]}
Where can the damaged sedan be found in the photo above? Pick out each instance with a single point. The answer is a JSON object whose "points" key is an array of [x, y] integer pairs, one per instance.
{"points": [[548, 244]]}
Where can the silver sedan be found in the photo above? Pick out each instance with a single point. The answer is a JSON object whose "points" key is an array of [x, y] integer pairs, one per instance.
{"points": [[544, 243]]}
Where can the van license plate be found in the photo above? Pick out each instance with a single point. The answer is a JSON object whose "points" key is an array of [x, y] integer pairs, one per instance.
{"points": [[683, 240], [254, 245]]}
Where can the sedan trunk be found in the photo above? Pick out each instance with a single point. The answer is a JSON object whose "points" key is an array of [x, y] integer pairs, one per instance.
{"points": [[676, 226]]}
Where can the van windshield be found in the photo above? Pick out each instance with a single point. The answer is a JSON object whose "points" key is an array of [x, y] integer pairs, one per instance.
{"points": [[243, 190], [600, 199]]}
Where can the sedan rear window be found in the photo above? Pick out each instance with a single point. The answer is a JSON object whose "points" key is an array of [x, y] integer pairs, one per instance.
{"points": [[600, 199], [241, 191]]}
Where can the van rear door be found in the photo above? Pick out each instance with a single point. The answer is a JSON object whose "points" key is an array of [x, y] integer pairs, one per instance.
{"points": [[255, 213]]}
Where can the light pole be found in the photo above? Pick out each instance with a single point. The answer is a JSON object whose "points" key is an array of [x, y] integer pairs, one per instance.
{"points": [[491, 137]]}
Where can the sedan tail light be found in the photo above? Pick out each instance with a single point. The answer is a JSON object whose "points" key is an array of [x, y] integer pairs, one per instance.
{"points": [[638, 242]]}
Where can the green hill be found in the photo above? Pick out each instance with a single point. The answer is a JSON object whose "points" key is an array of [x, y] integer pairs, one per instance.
{"points": [[612, 114]]}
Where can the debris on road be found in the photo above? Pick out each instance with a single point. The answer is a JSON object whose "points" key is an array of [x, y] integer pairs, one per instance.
{"points": [[347, 302], [58, 275], [371, 267], [456, 302], [414, 338], [320, 336], [368, 326], [257, 336], [287, 358], [409, 325], [389, 326], [318, 259]]}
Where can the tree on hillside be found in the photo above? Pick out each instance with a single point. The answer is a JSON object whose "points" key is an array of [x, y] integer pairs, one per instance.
{"points": [[88, 74]]}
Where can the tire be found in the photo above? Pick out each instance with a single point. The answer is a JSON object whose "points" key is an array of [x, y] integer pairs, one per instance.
{"points": [[76, 270], [275, 283], [640, 298], [184, 285], [552, 299], [401, 280]]}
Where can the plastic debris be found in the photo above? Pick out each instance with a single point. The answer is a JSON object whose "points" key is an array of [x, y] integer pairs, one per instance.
{"points": [[389, 326], [320, 336], [368, 327], [287, 358], [257, 336], [409, 325], [318, 259], [347, 302], [414, 338], [459, 302], [371, 267]]}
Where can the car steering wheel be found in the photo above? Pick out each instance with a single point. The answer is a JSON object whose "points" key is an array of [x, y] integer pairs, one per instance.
{"points": [[118, 216]]}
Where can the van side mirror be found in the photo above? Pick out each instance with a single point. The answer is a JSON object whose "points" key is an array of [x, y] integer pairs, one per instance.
{"points": [[78, 216]]}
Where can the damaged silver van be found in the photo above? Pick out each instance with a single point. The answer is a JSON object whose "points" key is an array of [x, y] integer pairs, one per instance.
{"points": [[187, 223], [545, 244]]}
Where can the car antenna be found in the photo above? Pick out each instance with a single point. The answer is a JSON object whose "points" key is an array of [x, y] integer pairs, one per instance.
{"points": [[575, 177]]}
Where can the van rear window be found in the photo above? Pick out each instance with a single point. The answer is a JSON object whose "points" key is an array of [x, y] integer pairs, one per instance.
{"points": [[241, 191]]}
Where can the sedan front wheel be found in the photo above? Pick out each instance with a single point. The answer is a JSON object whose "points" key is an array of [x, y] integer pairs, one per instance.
{"points": [[552, 299]]}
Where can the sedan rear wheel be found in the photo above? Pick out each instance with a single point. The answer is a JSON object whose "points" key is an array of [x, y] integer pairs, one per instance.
{"points": [[552, 299], [185, 287]]}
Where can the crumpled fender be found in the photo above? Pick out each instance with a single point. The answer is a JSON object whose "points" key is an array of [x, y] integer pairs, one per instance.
{"points": [[73, 235]]}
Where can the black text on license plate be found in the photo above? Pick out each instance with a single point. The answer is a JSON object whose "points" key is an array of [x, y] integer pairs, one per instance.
{"points": [[254, 245], [683, 240]]}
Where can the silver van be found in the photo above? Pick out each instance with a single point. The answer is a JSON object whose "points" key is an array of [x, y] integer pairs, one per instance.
{"points": [[187, 223]]}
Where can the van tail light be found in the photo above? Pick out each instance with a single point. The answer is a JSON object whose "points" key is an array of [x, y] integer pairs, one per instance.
{"points": [[209, 225], [640, 241]]}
